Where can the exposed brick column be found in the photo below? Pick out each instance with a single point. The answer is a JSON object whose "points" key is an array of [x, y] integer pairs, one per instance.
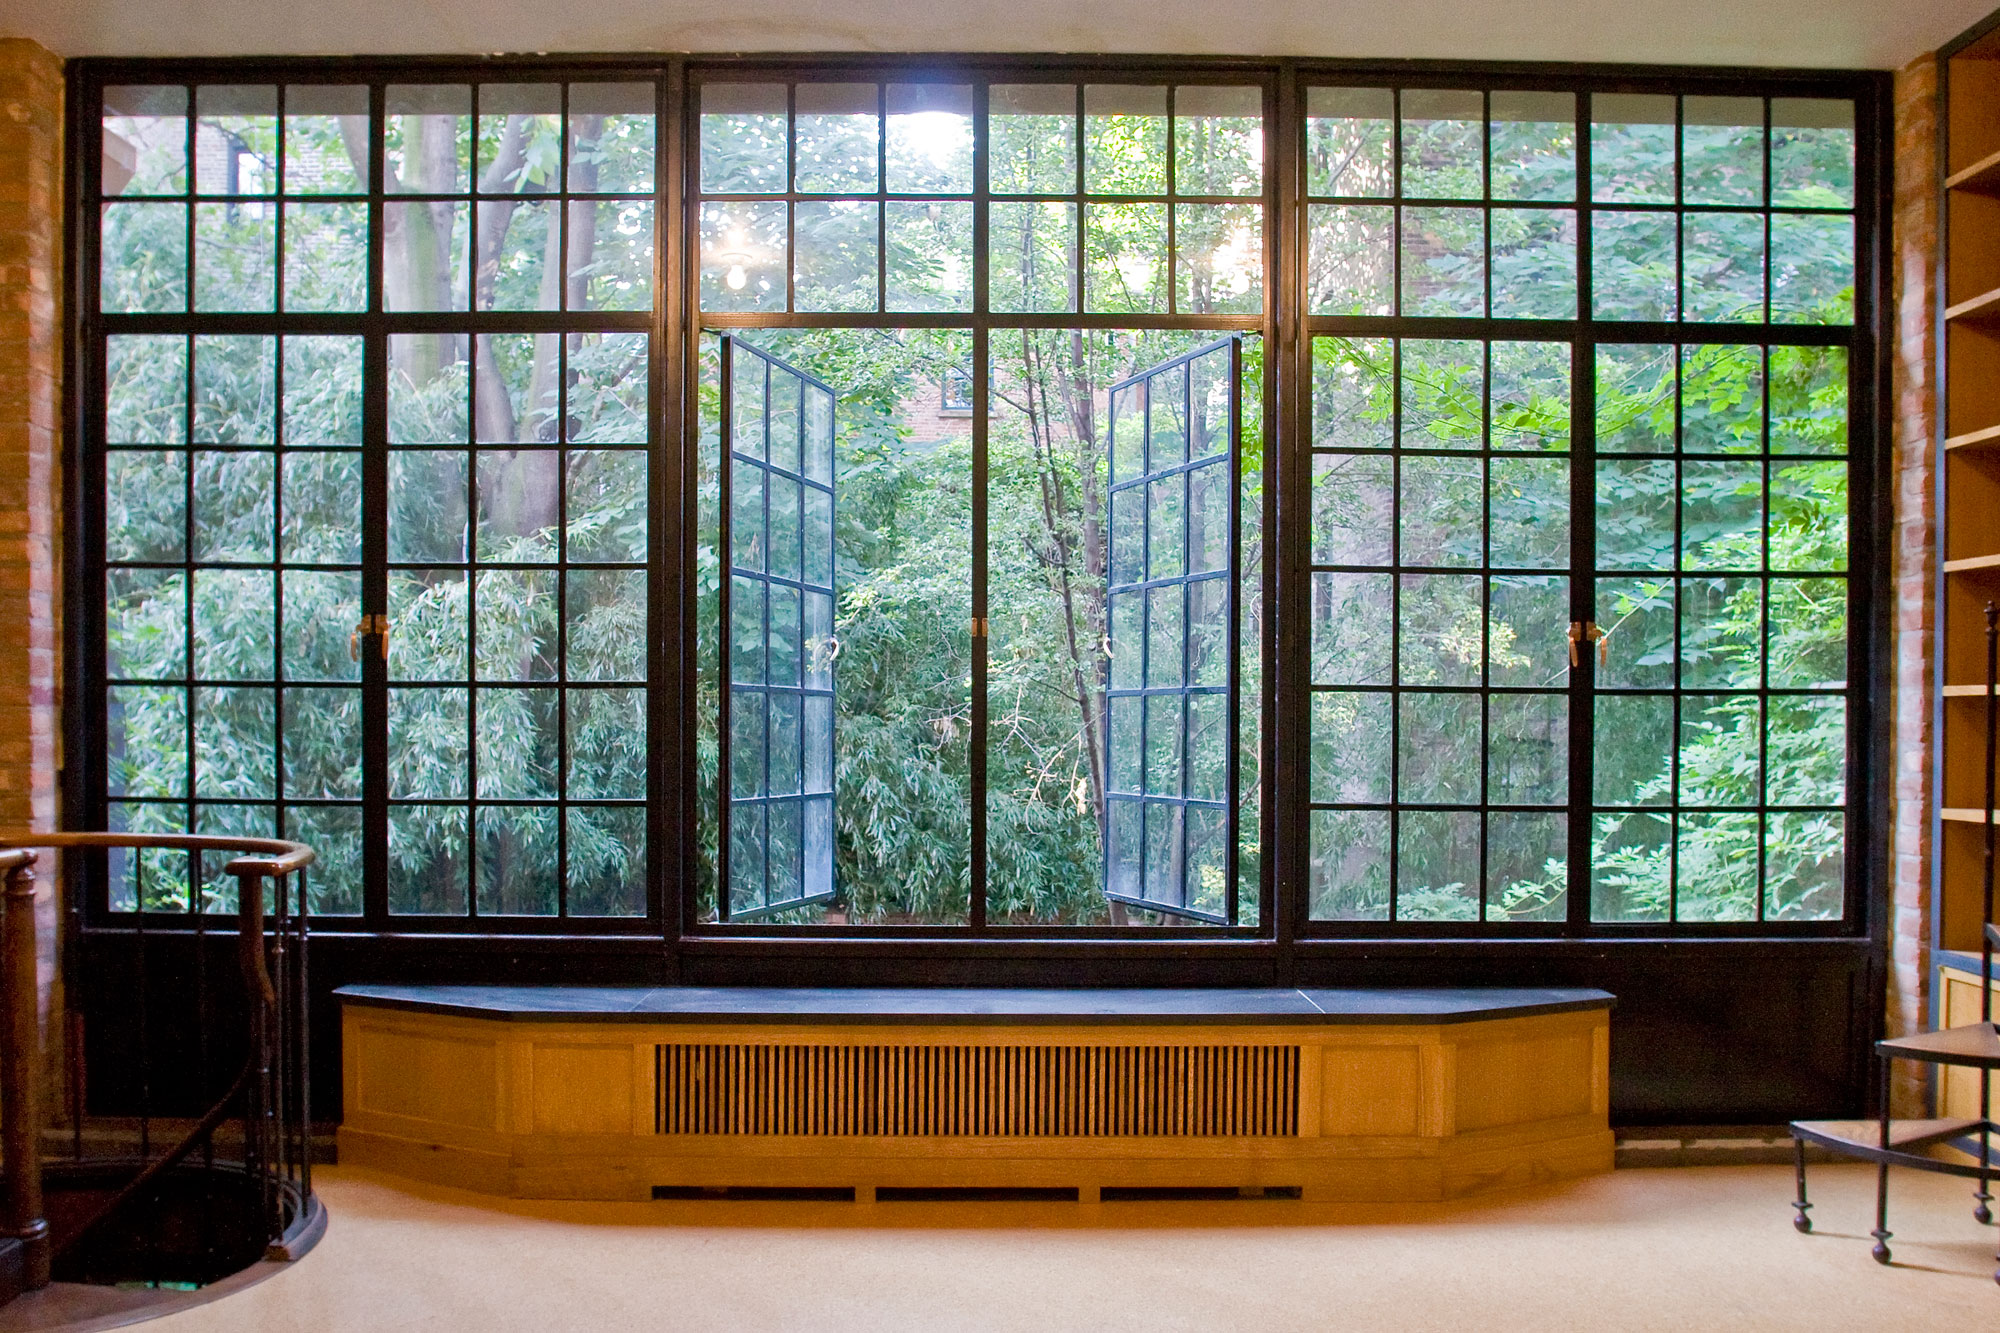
{"points": [[1914, 568], [31, 234]]}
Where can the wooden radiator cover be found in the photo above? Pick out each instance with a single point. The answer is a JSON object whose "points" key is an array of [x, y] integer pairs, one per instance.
{"points": [[621, 1107]]}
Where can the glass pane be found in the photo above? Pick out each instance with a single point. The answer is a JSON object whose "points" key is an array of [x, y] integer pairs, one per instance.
{"points": [[430, 378], [428, 613], [1634, 274], [1807, 634], [234, 623], [1636, 513], [1532, 140], [1527, 624], [1218, 140], [1351, 260], [1441, 624], [1125, 139], [1443, 155], [1349, 867], [146, 624], [518, 240], [1631, 867], [1443, 392], [1528, 503], [1529, 396], [1632, 148], [1125, 258], [145, 505], [605, 749], [743, 138], [424, 255], [1354, 500], [1032, 255], [326, 256], [835, 250], [1716, 868], [1351, 753], [516, 391], [607, 505], [607, 861], [929, 256], [1722, 515], [519, 138], [1812, 153], [146, 741], [143, 266], [235, 390], [1812, 269], [145, 140], [1350, 141], [1437, 865], [1353, 393], [929, 147], [327, 133], [321, 611], [837, 137], [517, 860], [322, 743], [743, 259], [1032, 129], [1722, 400], [1633, 751], [519, 742], [235, 506], [235, 742], [1722, 150], [427, 859], [428, 140], [1444, 261], [1805, 867], [1441, 514], [322, 391], [1635, 399], [1719, 762], [1722, 633], [611, 138], [1808, 400], [1440, 743], [516, 623], [1534, 263], [1722, 267], [1527, 753], [610, 256], [333, 831], [1638, 645], [145, 388], [1218, 259], [1351, 629], [1527, 867]]}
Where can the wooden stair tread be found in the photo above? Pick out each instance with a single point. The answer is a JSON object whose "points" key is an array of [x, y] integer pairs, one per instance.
{"points": [[1983, 307], [1975, 1044], [1962, 814], [1902, 1133]]}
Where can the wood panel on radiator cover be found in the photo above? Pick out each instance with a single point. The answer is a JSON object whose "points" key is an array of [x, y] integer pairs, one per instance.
{"points": [[514, 1092]]}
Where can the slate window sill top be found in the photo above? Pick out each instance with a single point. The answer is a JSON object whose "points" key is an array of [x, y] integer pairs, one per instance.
{"points": [[761, 1004]]}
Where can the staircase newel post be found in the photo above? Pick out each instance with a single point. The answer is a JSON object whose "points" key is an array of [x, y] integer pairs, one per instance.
{"points": [[20, 1077]]}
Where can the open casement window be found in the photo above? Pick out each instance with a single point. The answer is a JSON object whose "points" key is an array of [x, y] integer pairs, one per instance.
{"points": [[1170, 836], [779, 650]]}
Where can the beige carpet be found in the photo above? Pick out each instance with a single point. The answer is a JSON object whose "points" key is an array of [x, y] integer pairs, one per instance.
{"points": [[1683, 1249]]}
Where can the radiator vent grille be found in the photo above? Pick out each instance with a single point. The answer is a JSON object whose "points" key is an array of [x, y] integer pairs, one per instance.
{"points": [[1208, 1091]]}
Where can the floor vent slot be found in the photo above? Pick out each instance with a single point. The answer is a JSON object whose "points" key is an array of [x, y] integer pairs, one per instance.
{"points": [[759, 1193], [1191, 1091]]}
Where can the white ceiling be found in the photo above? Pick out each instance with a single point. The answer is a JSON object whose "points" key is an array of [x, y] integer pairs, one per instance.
{"points": [[1809, 33]]}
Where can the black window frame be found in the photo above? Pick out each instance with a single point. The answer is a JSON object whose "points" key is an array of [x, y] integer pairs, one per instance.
{"points": [[1282, 946]]}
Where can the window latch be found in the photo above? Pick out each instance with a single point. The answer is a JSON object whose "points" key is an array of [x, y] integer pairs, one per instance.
{"points": [[370, 624], [1587, 630]]}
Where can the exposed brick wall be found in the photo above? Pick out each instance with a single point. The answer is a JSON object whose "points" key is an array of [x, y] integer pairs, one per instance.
{"points": [[31, 125], [1915, 242]]}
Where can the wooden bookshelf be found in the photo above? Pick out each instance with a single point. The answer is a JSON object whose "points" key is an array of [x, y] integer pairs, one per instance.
{"points": [[1968, 549]]}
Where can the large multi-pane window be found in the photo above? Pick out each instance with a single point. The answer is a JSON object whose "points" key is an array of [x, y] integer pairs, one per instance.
{"points": [[1580, 643], [375, 501], [984, 498]]}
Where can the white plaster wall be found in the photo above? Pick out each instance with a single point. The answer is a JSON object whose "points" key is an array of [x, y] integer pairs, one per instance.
{"points": [[1824, 33]]}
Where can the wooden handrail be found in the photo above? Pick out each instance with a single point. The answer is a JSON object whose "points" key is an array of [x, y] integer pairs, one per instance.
{"points": [[20, 1070], [266, 857]]}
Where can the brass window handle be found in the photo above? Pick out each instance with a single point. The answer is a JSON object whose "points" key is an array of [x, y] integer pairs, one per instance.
{"points": [[370, 624], [1580, 630]]}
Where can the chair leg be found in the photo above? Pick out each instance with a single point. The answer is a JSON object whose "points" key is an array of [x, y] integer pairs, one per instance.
{"points": [[1800, 1221], [1881, 1232]]}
